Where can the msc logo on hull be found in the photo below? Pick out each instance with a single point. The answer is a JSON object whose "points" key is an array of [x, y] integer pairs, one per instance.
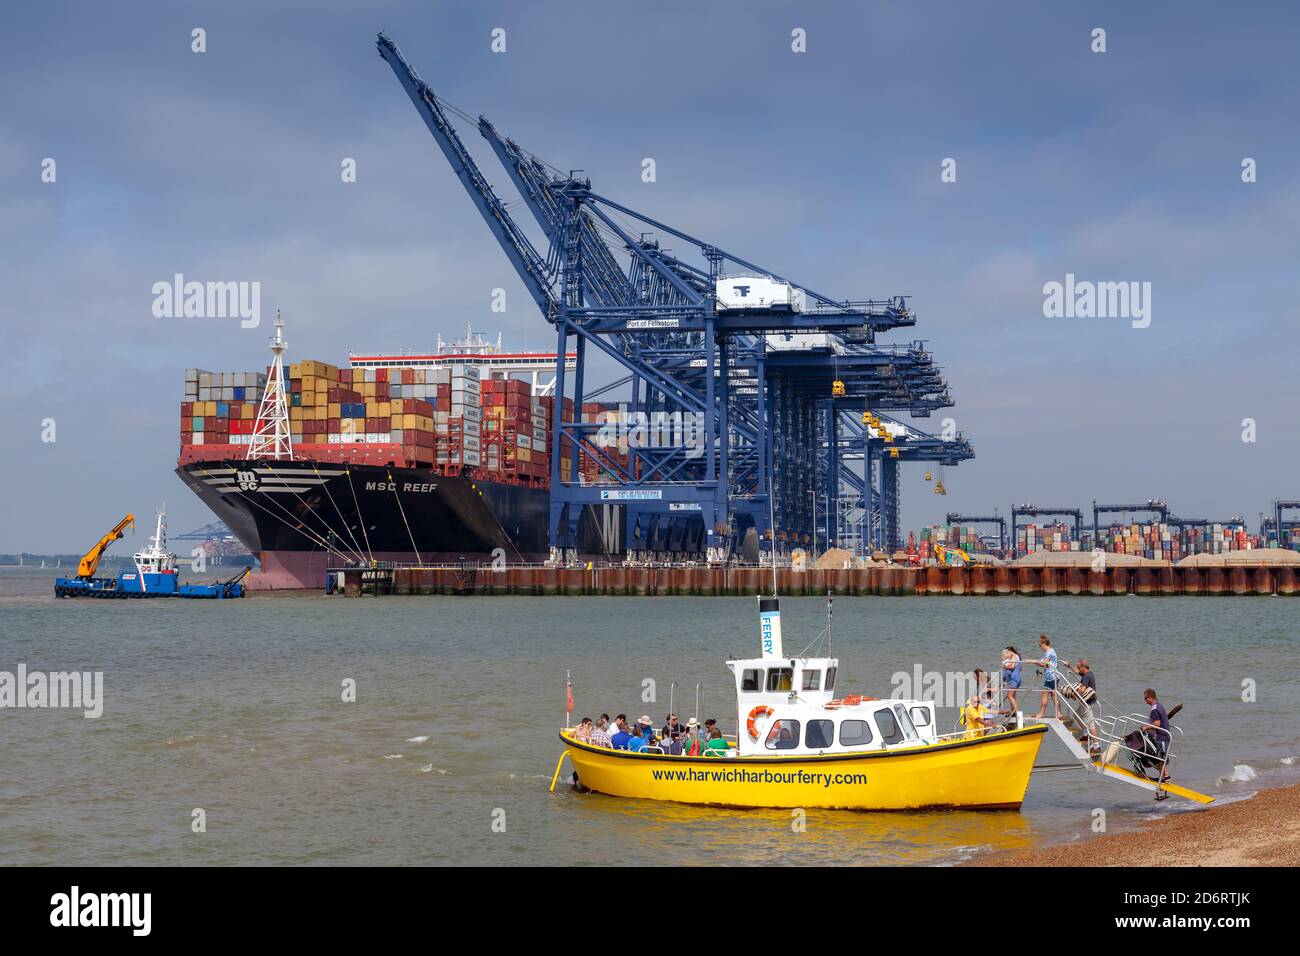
{"points": [[247, 480]]}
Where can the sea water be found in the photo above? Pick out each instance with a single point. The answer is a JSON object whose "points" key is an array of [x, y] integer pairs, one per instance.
{"points": [[226, 738]]}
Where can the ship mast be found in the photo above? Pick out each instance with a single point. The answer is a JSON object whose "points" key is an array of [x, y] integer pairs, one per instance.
{"points": [[271, 430]]}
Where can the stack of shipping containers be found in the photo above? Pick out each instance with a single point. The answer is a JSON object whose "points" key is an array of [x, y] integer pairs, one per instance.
{"points": [[1171, 543], [219, 408], [1049, 537], [445, 418]]}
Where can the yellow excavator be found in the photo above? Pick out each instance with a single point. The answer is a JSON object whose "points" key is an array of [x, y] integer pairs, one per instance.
{"points": [[90, 562], [953, 557]]}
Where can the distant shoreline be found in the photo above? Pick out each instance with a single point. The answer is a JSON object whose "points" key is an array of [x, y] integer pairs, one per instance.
{"points": [[1261, 831]]}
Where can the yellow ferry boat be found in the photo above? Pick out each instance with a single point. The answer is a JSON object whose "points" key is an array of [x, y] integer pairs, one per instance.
{"points": [[800, 746]]}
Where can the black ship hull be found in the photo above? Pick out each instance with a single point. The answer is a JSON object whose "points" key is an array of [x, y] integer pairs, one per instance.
{"points": [[303, 517]]}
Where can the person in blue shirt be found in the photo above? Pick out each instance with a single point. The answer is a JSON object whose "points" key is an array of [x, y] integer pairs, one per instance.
{"points": [[1048, 664], [619, 740], [1158, 729], [635, 742], [1011, 677]]}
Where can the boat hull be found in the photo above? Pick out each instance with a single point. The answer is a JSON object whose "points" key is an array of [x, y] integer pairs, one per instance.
{"points": [[981, 773]]}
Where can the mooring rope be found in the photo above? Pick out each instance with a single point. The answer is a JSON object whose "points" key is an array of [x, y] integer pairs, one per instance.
{"points": [[392, 486]]}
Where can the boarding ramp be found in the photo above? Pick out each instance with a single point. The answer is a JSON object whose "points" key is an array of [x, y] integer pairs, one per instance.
{"points": [[1106, 743]]}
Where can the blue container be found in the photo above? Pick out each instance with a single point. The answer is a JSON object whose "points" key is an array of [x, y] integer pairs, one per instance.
{"points": [[295, 399], [223, 409], [239, 392]]}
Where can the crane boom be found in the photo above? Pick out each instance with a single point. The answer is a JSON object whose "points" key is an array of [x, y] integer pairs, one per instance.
{"points": [[90, 561], [526, 260]]}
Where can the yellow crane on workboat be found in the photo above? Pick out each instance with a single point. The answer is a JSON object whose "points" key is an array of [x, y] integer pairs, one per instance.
{"points": [[90, 561]]}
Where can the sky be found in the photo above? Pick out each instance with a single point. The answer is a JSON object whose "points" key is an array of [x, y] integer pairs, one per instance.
{"points": [[1115, 166]]}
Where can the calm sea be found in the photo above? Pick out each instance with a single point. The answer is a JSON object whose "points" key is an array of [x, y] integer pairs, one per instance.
{"points": [[235, 707]]}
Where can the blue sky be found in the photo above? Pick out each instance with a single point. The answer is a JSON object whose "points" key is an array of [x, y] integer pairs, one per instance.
{"points": [[824, 165]]}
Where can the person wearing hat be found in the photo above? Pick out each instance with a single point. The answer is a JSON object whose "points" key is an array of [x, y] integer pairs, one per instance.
{"points": [[647, 727], [692, 746]]}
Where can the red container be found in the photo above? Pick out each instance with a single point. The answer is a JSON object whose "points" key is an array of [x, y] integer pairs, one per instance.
{"points": [[408, 376], [381, 375], [345, 376], [187, 409]]}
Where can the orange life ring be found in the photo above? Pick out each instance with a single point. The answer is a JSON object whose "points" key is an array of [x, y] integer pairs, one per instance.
{"points": [[761, 710]]}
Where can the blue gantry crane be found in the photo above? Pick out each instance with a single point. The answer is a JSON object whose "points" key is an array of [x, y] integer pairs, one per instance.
{"points": [[760, 377]]}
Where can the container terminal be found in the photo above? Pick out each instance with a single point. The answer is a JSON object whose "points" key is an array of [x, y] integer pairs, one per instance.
{"points": [[751, 421]]}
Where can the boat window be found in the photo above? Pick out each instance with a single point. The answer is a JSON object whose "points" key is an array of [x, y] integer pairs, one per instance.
{"points": [[854, 733], [812, 680], [890, 732], [751, 680], [909, 729], [780, 678], [819, 735], [830, 677], [784, 735], [921, 716]]}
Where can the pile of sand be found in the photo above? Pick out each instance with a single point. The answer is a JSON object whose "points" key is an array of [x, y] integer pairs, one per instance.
{"points": [[835, 558]]}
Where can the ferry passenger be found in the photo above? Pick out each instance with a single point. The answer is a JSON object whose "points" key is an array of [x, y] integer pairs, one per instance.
{"points": [[583, 731], [1048, 664], [600, 734], [1011, 677], [1158, 729], [647, 728], [619, 739], [988, 697], [716, 747], [636, 742], [973, 716], [710, 726], [1085, 692], [671, 726], [674, 745], [692, 745]]}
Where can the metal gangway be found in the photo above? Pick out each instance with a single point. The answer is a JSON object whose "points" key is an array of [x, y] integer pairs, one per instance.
{"points": [[1117, 746]]}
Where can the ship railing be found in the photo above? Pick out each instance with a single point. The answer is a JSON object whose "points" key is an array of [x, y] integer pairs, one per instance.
{"points": [[1106, 736], [1114, 732]]}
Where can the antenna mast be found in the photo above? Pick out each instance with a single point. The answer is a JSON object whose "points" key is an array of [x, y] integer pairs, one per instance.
{"points": [[271, 430]]}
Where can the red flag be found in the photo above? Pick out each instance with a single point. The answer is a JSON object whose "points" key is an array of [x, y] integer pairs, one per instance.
{"points": [[568, 694]]}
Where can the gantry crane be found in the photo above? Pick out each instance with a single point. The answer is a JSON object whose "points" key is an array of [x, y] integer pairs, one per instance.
{"points": [[1153, 506], [754, 361], [1034, 511], [953, 518]]}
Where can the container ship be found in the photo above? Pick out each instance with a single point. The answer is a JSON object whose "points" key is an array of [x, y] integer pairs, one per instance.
{"points": [[426, 458]]}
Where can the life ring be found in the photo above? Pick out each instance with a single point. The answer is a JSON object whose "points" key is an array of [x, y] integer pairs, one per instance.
{"points": [[762, 710]]}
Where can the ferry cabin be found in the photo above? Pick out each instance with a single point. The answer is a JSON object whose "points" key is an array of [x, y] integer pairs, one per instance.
{"points": [[787, 708]]}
